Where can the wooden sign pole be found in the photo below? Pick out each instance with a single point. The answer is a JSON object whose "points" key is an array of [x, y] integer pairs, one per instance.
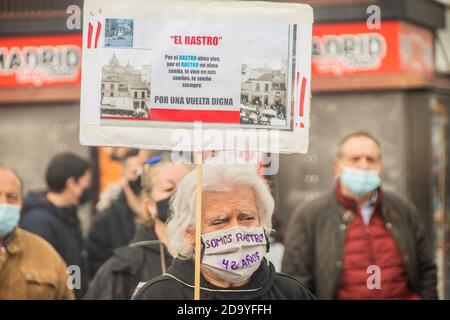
{"points": [[198, 225]]}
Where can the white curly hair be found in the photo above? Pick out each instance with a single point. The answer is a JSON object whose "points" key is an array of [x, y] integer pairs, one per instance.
{"points": [[215, 178]]}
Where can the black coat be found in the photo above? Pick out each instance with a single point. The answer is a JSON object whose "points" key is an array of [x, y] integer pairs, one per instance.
{"points": [[264, 284], [137, 262], [112, 228], [61, 228]]}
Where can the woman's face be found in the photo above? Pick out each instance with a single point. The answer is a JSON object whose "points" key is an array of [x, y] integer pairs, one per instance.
{"points": [[165, 180], [132, 168]]}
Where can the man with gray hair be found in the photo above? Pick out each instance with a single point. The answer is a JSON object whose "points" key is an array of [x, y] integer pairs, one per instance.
{"points": [[237, 210], [359, 241]]}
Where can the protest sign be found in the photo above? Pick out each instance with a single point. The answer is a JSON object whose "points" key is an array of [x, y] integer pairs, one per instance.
{"points": [[156, 73], [194, 76]]}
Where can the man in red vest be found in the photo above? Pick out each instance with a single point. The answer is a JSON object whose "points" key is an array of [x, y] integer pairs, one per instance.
{"points": [[360, 242]]}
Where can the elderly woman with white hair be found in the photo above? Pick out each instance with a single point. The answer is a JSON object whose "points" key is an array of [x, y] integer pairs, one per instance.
{"points": [[237, 209]]}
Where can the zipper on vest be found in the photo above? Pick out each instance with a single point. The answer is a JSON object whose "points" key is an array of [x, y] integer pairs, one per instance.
{"points": [[368, 236]]}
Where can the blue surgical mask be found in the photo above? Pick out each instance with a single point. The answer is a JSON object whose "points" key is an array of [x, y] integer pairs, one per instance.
{"points": [[9, 218], [360, 182]]}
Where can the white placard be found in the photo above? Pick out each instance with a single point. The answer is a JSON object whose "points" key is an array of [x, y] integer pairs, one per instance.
{"points": [[190, 75]]}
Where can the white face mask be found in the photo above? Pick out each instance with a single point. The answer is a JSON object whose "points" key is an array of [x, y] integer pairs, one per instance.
{"points": [[234, 254]]}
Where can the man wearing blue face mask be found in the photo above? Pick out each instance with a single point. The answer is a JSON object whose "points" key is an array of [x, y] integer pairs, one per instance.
{"points": [[360, 242], [29, 267]]}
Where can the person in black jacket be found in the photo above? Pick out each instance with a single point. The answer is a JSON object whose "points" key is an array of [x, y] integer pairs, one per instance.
{"points": [[53, 214], [265, 284], [237, 209], [115, 226], [145, 257]]}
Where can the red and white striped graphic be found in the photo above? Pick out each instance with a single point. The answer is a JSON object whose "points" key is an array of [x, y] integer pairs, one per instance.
{"points": [[98, 29], [301, 98]]}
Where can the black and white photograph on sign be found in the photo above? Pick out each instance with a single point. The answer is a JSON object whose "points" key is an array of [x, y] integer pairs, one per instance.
{"points": [[119, 33], [125, 84], [263, 92]]}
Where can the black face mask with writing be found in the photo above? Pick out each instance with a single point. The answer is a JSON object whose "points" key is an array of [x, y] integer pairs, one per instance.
{"points": [[163, 208], [135, 185]]}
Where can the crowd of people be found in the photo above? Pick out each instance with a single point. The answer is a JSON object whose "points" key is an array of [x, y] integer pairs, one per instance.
{"points": [[141, 243]]}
